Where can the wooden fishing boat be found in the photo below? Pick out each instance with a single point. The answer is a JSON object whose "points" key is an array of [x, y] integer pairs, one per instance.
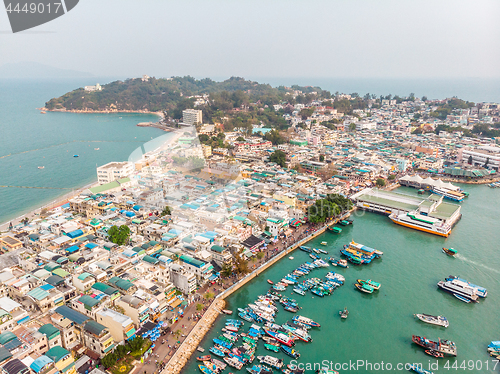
{"points": [[364, 288], [450, 251], [270, 281], [204, 358], [434, 353]]}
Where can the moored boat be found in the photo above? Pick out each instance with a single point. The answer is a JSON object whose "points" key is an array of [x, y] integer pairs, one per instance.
{"points": [[270, 281], [324, 243], [305, 321], [446, 347], [344, 313], [461, 290], [364, 288], [419, 370], [370, 283], [204, 358], [434, 353], [433, 320]]}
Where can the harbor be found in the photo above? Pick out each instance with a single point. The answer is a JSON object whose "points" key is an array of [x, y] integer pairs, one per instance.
{"points": [[412, 264]]}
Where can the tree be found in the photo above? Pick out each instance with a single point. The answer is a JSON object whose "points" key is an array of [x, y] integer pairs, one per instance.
{"points": [[352, 126], [119, 235], [199, 307], [487, 162], [274, 137], [321, 158], [322, 210], [306, 113], [380, 182], [278, 157], [240, 139], [469, 161], [424, 98], [391, 177], [136, 343], [166, 211], [260, 255], [226, 270], [240, 264], [208, 295]]}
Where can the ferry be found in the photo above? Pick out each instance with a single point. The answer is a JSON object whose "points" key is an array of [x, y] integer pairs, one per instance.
{"points": [[446, 347], [461, 290], [480, 291], [359, 253], [420, 222], [449, 194]]}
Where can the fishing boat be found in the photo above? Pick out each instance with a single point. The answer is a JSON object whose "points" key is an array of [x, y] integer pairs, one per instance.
{"points": [[217, 352], [205, 370], [419, 370], [322, 251], [96, 149], [342, 263], [271, 347], [279, 287], [280, 337], [200, 349], [270, 281], [450, 251], [446, 347], [290, 351], [433, 320], [344, 222], [344, 313], [76, 156], [370, 283], [271, 361], [305, 249], [434, 353], [231, 328], [41, 167], [305, 321], [299, 291], [324, 243], [204, 358], [290, 258], [364, 288], [335, 230]]}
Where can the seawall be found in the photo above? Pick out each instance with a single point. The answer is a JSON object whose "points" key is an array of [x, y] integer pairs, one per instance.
{"points": [[187, 348]]}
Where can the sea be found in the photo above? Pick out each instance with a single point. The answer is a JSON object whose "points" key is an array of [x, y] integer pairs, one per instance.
{"points": [[30, 139], [376, 336]]}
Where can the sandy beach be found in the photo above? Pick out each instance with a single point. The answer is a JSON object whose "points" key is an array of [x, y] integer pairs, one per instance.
{"points": [[4, 226]]}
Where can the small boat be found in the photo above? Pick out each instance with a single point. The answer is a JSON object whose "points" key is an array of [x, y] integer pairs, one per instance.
{"points": [[461, 298], [450, 251], [205, 370], [204, 358], [200, 349], [43, 112], [433, 320], [364, 288], [217, 352], [299, 291], [270, 281], [442, 346], [271, 347], [290, 351], [41, 167], [342, 263], [433, 353], [335, 230], [324, 243], [231, 328], [419, 370], [322, 251], [305, 249], [344, 313], [420, 191], [344, 222], [76, 156], [370, 283], [227, 311], [327, 371], [96, 149], [290, 258]]}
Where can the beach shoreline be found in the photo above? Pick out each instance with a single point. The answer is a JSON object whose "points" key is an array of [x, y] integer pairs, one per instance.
{"points": [[63, 199]]}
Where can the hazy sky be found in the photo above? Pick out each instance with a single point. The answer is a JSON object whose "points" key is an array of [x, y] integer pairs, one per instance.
{"points": [[272, 38]]}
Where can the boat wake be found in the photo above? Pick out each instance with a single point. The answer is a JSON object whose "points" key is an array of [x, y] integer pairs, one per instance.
{"points": [[463, 258]]}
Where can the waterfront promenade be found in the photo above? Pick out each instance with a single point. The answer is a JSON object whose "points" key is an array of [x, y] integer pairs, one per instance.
{"points": [[192, 341]]}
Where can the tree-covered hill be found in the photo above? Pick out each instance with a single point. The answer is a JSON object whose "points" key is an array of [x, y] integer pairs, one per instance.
{"points": [[161, 94]]}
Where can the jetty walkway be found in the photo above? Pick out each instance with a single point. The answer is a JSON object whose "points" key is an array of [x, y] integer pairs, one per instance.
{"points": [[188, 347]]}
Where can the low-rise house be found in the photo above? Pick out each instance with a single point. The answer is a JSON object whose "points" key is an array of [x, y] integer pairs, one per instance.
{"points": [[120, 326], [97, 338]]}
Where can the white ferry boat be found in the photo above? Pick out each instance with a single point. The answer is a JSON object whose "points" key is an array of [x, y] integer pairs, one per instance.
{"points": [[420, 222], [449, 194], [459, 289]]}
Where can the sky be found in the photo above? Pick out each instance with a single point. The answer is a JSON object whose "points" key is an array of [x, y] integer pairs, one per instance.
{"points": [[272, 38]]}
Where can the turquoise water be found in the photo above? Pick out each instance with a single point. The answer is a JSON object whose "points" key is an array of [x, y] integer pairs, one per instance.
{"points": [[380, 325], [30, 139]]}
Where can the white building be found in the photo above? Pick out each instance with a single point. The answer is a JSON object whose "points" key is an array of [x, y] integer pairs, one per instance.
{"points": [[366, 125], [487, 156], [192, 116], [114, 171], [97, 87]]}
